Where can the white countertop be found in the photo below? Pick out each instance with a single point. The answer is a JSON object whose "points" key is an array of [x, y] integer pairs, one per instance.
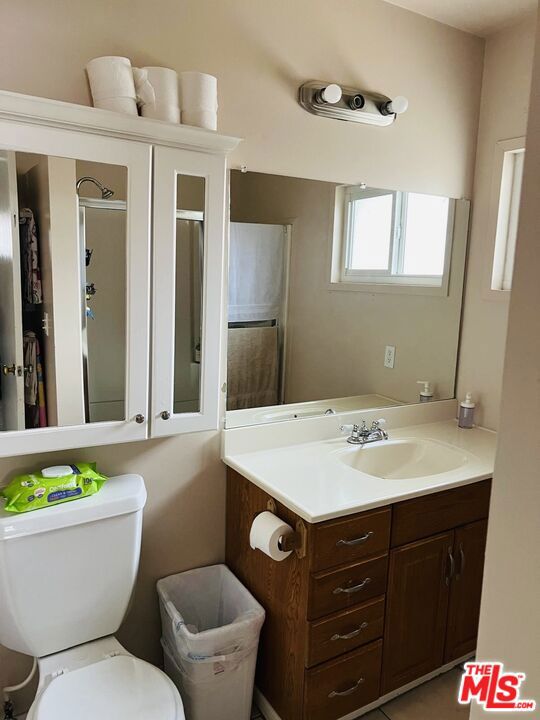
{"points": [[311, 479]]}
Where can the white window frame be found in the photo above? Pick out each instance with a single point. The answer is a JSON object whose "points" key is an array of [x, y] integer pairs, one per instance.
{"points": [[508, 170], [389, 280]]}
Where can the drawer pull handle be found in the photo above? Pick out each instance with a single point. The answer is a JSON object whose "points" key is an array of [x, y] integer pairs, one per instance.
{"points": [[350, 635], [353, 589], [356, 541], [343, 693]]}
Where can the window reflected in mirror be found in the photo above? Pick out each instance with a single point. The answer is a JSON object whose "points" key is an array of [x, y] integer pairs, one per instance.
{"points": [[393, 237], [62, 291], [188, 295]]}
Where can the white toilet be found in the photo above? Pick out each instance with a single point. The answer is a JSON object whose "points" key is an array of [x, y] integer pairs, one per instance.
{"points": [[66, 578]]}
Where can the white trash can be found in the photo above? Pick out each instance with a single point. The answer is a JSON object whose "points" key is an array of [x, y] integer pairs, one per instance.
{"points": [[211, 625]]}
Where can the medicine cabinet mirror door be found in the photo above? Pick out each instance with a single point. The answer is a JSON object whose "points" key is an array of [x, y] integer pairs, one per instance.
{"points": [[189, 247], [74, 289]]}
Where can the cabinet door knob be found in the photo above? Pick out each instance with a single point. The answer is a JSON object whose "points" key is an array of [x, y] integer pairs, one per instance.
{"points": [[462, 561], [165, 415], [139, 419], [450, 574]]}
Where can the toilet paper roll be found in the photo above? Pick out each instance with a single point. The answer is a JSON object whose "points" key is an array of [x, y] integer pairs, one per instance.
{"points": [[265, 533], [198, 91], [200, 118], [161, 111], [110, 77], [157, 93], [118, 104]]}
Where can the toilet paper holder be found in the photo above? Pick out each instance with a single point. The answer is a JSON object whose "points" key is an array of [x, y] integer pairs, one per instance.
{"points": [[297, 540]]}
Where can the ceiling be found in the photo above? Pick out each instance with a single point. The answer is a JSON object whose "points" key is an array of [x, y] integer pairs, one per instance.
{"points": [[480, 17]]}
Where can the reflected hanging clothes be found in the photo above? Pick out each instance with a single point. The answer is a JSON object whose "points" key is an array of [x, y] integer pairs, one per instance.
{"points": [[34, 384], [31, 274]]}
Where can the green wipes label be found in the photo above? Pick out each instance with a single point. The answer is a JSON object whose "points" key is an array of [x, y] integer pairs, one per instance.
{"points": [[33, 492]]}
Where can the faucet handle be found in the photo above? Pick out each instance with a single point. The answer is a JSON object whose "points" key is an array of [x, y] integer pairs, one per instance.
{"points": [[347, 429], [377, 424]]}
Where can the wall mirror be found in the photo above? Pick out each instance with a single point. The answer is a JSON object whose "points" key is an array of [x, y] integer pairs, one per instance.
{"points": [[62, 291], [341, 298]]}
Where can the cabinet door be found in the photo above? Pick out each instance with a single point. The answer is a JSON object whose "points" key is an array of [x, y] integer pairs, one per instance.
{"points": [[417, 603], [189, 261], [466, 590], [81, 310]]}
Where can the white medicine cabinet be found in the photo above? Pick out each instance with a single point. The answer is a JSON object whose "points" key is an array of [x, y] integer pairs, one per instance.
{"points": [[112, 267]]}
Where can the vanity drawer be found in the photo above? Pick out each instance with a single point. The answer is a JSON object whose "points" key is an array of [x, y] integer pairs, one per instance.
{"points": [[341, 686], [344, 631], [340, 541], [338, 589], [432, 514]]}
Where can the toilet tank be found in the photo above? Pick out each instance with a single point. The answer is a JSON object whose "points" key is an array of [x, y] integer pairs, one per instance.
{"points": [[67, 572]]}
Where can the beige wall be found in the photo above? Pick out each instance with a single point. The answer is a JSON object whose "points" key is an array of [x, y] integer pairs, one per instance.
{"points": [[336, 339], [510, 616], [503, 115], [261, 51]]}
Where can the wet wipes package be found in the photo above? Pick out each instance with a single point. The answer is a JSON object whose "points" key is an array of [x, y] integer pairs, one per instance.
{"points": [[51, 486]]}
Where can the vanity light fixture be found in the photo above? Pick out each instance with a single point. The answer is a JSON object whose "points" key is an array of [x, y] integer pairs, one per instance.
{"points": [[346, 103]]}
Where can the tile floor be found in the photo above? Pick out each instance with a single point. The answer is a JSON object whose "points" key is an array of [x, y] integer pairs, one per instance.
{"points": [[434, 700]]}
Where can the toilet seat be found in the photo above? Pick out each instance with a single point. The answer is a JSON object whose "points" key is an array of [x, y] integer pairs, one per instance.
{"points": [[121, 687]]}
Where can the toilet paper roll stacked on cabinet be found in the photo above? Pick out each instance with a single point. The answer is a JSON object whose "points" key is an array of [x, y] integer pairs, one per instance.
{"points": [[157, 92], [112, 85], [198, 99]]}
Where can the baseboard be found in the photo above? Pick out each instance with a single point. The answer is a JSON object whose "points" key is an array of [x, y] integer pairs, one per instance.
{"points": [[270, 714]]}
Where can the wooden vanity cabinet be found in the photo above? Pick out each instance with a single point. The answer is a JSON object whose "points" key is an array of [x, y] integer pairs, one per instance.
{"points": [[375, 600], [465, 590], [434, 584], [416, 610]]}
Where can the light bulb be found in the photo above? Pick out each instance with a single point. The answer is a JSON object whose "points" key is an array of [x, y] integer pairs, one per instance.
{"points": [[397, 106], [331, 94]]}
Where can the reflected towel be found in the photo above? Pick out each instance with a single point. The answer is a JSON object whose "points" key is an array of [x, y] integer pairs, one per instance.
{"points": [[252, 367]]}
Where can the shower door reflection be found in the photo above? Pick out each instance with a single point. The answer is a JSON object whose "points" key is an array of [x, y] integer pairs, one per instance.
{"points": [[187, 347], [103, 235]]}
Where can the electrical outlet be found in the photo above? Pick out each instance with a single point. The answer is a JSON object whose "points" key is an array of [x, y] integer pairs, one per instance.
{"points": [[389, 356]]}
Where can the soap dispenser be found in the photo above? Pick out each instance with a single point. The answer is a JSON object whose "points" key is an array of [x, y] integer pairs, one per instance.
{"points": [[466, 412], [426, 395]]}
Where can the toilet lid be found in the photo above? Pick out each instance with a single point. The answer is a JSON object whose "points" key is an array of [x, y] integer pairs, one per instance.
{"points": [[117, 688]]}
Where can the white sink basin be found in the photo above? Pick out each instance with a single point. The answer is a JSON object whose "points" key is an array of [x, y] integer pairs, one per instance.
{"points": [[403, 459]]}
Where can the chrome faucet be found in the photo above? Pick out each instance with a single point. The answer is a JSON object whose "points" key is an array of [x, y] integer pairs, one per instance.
{"points": [[362, 434]]}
